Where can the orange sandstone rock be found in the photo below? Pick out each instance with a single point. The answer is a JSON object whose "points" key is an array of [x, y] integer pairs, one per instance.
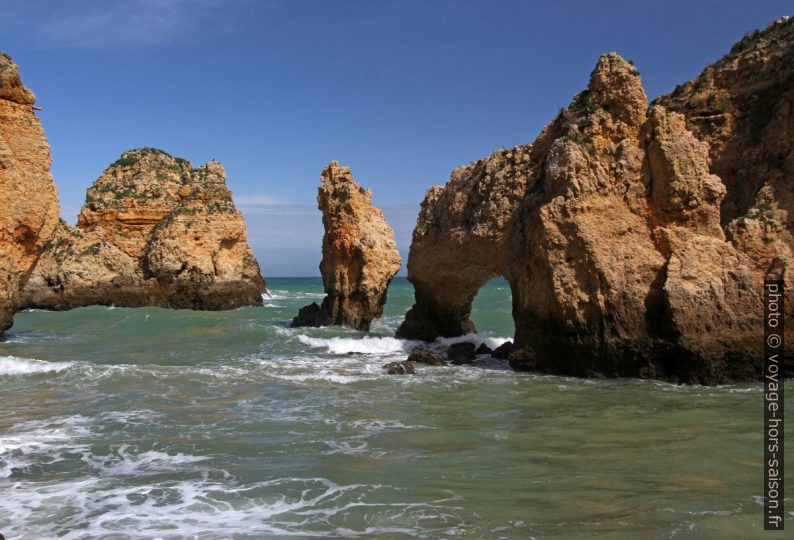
{"points": [[28, 199], [360, 255], [635, 239], [153, 231]]}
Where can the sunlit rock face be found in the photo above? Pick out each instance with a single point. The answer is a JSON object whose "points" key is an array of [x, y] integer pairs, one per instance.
{"points": [[28, 199], [153, 231], [633, 241], [360, 256]]}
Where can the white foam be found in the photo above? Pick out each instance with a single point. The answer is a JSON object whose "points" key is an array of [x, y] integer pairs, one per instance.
{"points": [[125, 462], [41, 442], [366, 345], [94, 507], [321, 377], [13, 365], [288, 295], [492, 342]]}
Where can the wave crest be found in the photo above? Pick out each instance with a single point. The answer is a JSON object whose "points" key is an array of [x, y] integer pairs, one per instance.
{"points": [[13, 365]]}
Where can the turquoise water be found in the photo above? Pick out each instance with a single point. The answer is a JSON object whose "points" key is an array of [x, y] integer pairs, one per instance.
{"points": [[150, 423]]}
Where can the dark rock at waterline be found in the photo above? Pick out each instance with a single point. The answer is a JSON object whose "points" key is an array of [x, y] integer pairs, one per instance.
{"points": [[483, 349], [461, 353], [421, 356], [400, 368], [503, 350], [310, 315]]}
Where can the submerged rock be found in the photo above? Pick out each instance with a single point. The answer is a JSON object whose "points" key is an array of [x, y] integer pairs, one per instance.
{"points": [[400, 368], [309, 315], [153, 231], [360, 255], [503, 350], [421, 356], [461, 353], [627, 252], [483, 349], [28, 199]]}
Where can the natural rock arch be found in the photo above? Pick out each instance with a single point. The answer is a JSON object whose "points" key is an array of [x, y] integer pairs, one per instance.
{"points": [[459, 242], [608, 229]]}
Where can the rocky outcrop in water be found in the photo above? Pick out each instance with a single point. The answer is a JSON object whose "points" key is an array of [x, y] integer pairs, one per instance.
{"points": [[360, 255], [28, 199], [633, 238], [153, 231], [461, 241]]}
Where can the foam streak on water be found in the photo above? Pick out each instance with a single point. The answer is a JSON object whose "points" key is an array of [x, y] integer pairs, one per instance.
{"points": [[149, 423]]}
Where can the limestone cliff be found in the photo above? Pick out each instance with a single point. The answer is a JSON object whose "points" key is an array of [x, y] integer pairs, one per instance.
{"points": [[743, 107], [631, 241], [467, 220], [153, 231], [28, 200], [360, 255]]}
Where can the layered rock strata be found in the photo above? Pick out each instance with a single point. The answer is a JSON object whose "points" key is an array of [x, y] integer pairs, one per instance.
{"points": [[360, 255], [635, 239], [153, 231], [28, 199]]}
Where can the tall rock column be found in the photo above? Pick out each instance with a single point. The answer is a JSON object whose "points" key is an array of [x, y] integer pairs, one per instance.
{"points": [[360, 255], [28, 199]]}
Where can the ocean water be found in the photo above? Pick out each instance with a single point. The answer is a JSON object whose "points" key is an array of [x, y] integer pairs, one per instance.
{"points": [[150, 423]]}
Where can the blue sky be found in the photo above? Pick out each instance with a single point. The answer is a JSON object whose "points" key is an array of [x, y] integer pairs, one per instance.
{"points": [[400, 91]]}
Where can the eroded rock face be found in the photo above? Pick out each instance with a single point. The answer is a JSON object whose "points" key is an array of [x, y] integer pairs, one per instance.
{"points": [[743, 107], [622, 248], [28, 199], [360, 255], [459, 242], [153, 231]]}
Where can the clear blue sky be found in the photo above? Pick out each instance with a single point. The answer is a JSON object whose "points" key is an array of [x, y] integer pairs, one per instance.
{"points": [[400, 91]]}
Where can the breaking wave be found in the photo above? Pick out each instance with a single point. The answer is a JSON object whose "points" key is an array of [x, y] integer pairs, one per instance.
{"points": [[12, 365]]}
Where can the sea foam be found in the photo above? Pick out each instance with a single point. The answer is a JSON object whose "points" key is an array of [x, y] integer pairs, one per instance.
{"points": [[13, 365], [390, 345], [365, 345]]}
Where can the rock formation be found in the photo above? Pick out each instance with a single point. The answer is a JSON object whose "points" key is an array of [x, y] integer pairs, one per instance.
{"points": [[153, 231], [360, 255], [28, 200], [635, 239], [460, 241]]}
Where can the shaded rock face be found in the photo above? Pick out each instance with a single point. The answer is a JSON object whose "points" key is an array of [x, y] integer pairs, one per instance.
{"points": [[28, 199], [360, 255], [623, 256], [153, 231]]}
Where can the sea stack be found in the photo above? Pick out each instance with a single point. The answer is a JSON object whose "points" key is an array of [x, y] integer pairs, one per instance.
{"points": [[28, 199], [635, 238], [360, 255], [153, 231]]}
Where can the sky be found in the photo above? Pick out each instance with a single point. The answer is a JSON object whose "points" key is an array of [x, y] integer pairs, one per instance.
{"points": [[402, 92]]}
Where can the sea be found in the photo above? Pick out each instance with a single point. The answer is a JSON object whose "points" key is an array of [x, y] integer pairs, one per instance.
{"points": [[120, 423]]}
